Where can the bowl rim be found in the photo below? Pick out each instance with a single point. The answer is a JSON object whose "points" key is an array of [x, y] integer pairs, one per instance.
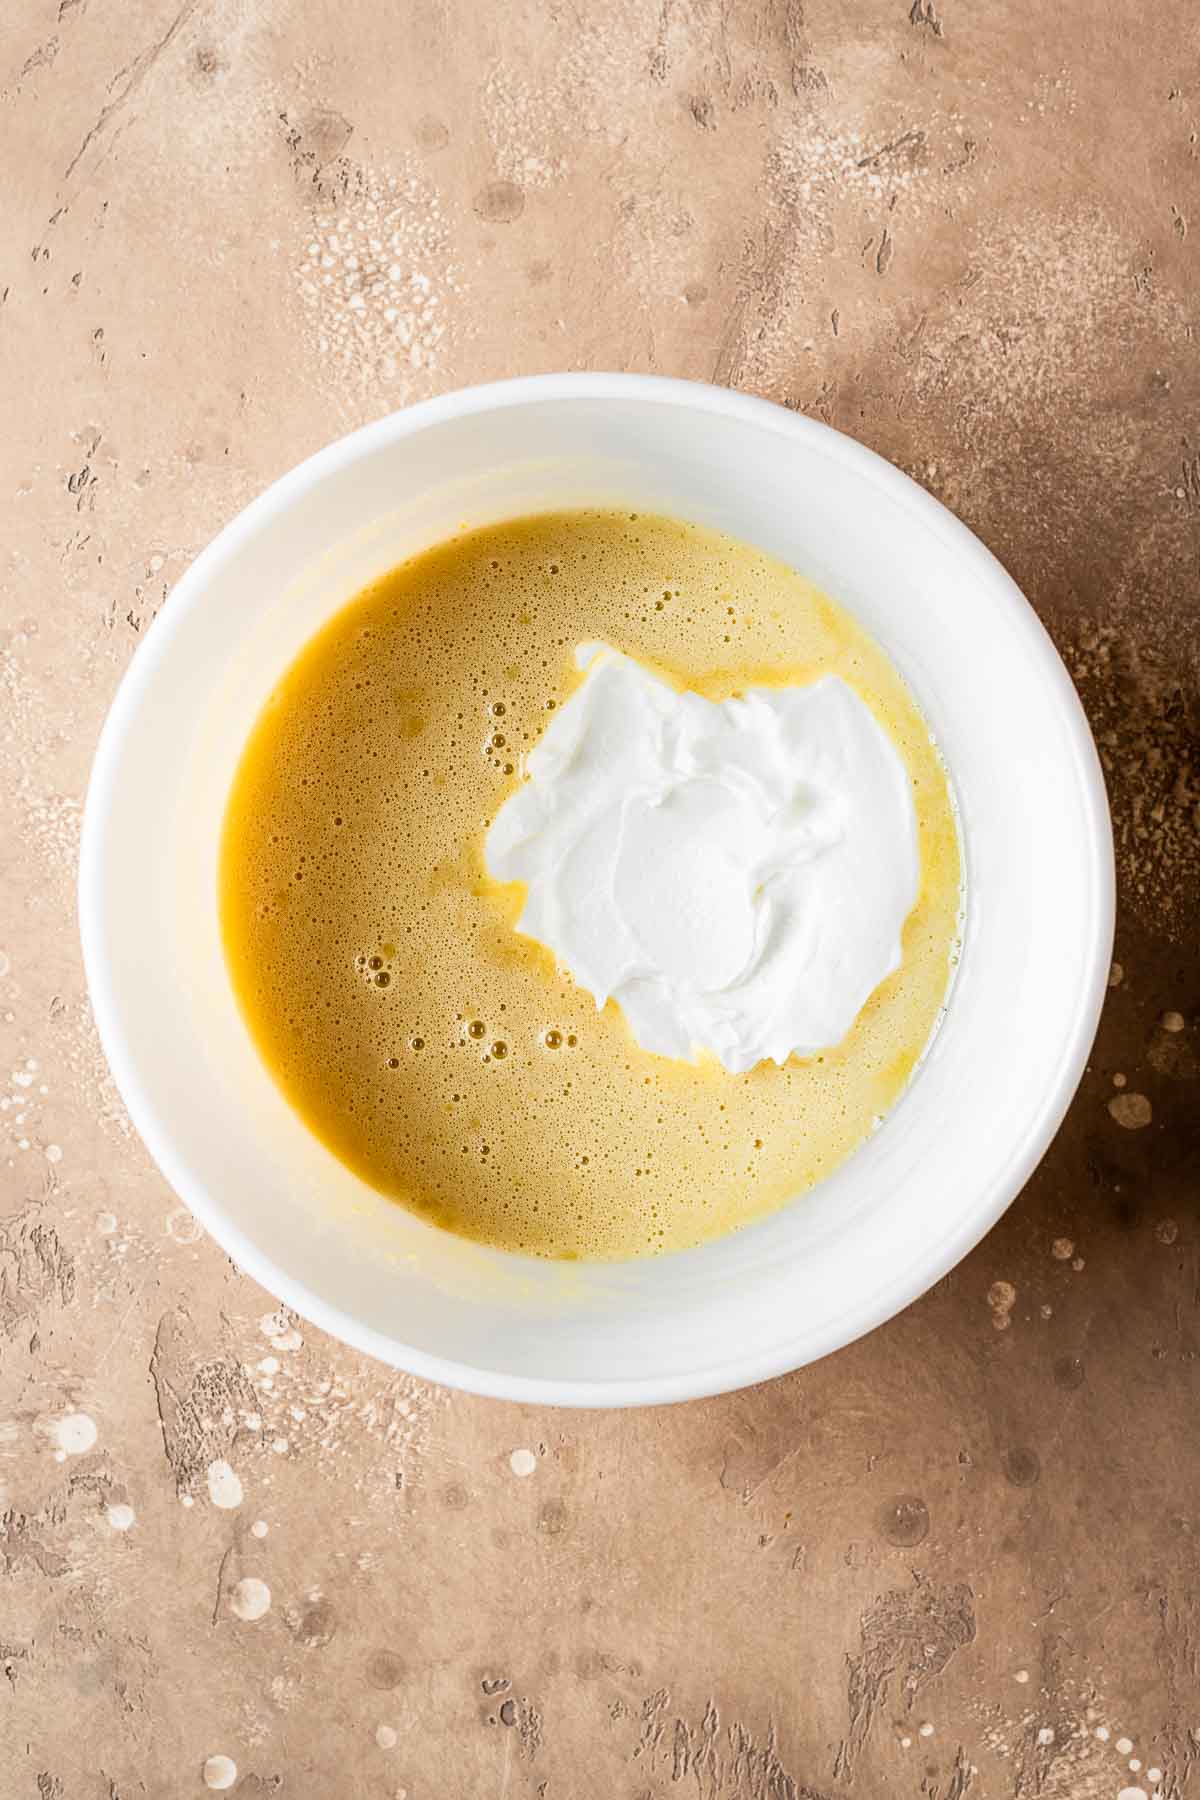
{"points": [[729, 1372]]}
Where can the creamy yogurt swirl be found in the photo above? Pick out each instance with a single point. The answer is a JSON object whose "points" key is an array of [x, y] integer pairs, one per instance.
{"points": [[736, 875]]}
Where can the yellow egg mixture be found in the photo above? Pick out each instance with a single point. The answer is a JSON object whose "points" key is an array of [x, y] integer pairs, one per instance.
{"points": [[439, 1054]]}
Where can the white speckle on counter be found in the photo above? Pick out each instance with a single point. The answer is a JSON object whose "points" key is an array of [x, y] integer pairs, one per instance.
{"points": [[276, 1327], [522, 1462], [224, 1486], [74, 1434], [251, 1598], [182, 1226], [1002, 1297], [1132, 1111]]}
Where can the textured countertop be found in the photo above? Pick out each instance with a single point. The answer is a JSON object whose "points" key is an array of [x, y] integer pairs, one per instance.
{"points": [[961, 1557]]}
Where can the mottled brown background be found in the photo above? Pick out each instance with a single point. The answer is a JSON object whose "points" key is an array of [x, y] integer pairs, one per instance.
{"points": [[946, 1561]]}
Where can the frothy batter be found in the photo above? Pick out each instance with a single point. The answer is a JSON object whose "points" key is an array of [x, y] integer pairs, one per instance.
{"points": [[435, 1050]]}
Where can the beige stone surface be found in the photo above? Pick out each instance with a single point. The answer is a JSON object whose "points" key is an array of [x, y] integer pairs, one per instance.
{"points": [[963, 1556]]}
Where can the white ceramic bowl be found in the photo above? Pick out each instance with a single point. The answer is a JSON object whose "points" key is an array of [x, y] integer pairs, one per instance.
{"points": [[949, 1158]]}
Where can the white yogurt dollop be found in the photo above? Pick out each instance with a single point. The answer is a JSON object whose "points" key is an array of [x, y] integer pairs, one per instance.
{"points": [[736, 875]]}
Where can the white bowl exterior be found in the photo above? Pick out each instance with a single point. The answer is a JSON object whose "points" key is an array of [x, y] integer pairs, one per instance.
{"points": [[875, 1234]]}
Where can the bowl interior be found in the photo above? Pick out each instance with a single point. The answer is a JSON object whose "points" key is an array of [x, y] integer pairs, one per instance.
{"points": [[949, 1157]]}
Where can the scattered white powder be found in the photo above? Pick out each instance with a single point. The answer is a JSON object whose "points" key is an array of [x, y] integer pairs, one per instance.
{"points": [[526, 137], [121, 1517], [365, 1403], [374, 279]]}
